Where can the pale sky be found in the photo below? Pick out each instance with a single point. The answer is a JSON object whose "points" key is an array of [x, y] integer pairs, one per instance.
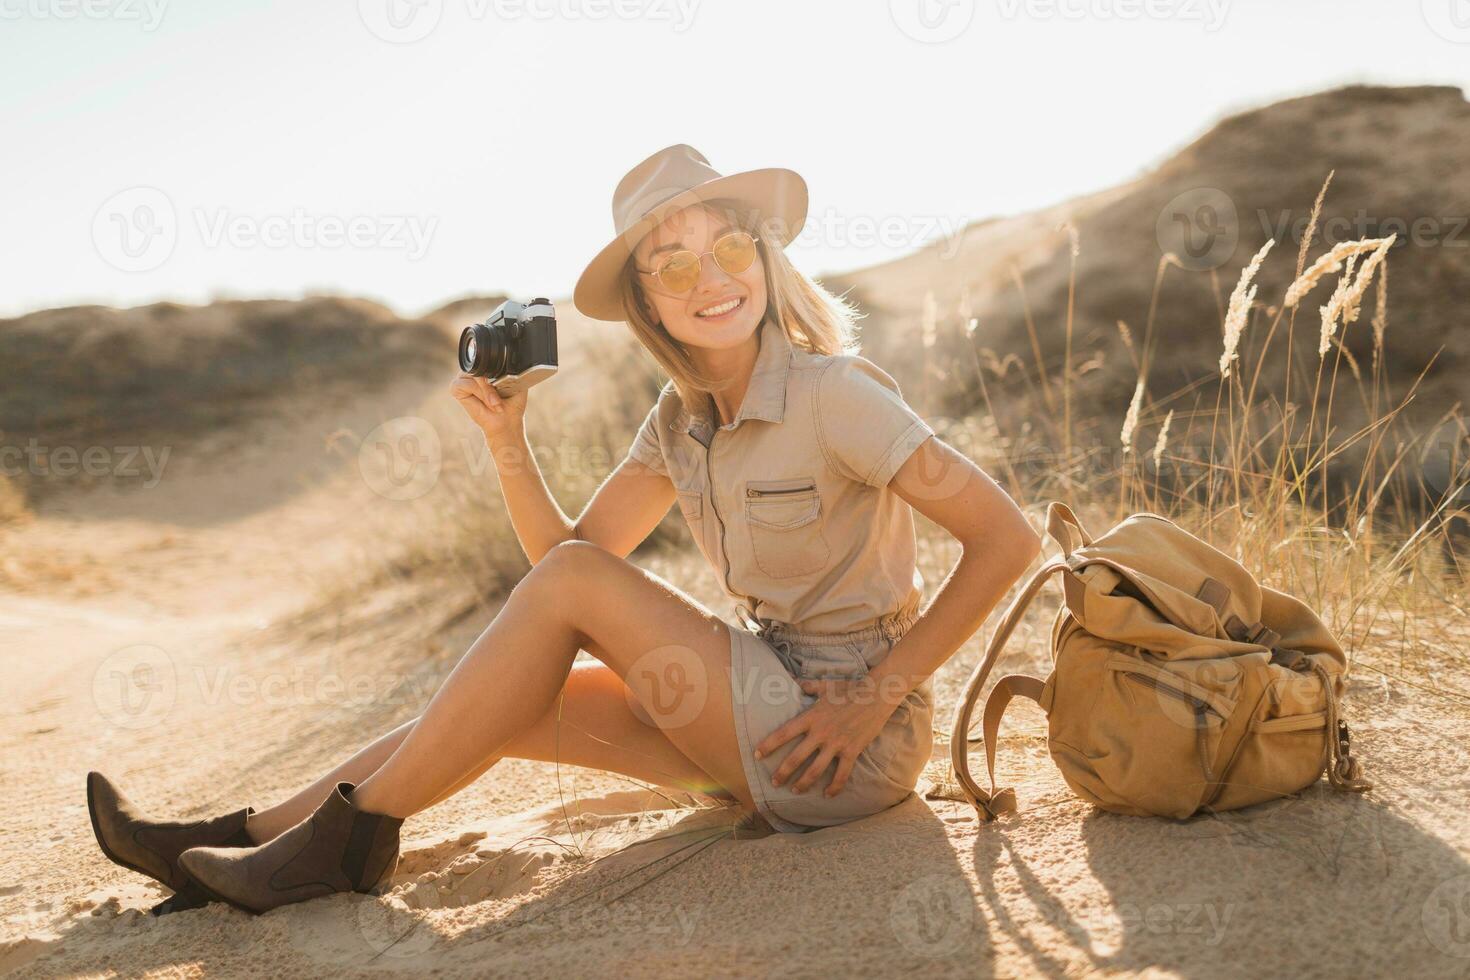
{"points": [[412, 151]]}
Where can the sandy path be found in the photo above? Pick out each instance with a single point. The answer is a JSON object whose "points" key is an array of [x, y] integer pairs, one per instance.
{"points": [[186, 686]]}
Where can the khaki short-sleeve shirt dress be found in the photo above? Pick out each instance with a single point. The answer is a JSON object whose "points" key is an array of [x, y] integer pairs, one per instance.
{"points": [[789, 504]]}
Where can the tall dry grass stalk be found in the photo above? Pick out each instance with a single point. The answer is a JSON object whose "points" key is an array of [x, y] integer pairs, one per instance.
{"points": [[1130, 420], [1380, 314], [1301, 263], [1163, 440], [1075, 250], [1126, 335], [1239, 309], [1040, 361], [1327, 264]]}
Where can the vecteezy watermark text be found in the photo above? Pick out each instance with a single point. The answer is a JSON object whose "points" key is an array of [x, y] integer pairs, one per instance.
{"points": [[137, 229], [64, 462], [137, 687], [1423, 231], [1210, 13], [147, 13], [407, 21], [835, 229], [406, 233]]}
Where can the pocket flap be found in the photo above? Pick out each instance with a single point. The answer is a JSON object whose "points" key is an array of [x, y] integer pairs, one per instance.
{"points": [[782, 504]]}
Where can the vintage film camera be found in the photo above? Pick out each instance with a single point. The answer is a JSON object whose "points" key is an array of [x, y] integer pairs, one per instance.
{"points": [[514, 348]]}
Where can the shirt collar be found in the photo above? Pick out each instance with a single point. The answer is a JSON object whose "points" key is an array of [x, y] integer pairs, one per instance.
{"points": [[765, 397]]}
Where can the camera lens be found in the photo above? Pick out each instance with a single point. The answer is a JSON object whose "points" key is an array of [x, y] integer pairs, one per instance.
{"points": [[484, 351]]}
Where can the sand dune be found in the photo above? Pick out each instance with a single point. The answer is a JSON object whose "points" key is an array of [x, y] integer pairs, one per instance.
{"points": [[1254, 176]]}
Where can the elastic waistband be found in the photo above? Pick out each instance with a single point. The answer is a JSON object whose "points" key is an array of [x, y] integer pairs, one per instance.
{"points": [[890, 626]]}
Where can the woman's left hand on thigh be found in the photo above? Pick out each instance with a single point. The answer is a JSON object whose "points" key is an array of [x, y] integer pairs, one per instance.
{"points": [[847, 715]]}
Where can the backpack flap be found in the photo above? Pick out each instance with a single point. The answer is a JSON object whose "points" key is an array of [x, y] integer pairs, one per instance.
{"points": [[1300, 628], [1182, 581], [1133, 608]]}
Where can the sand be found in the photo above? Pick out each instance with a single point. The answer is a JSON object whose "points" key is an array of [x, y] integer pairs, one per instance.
{"points": [[244, 685]]}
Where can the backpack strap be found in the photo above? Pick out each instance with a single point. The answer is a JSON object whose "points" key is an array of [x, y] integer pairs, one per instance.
{"points": [[989, 804], [1061, 523], [1009, 686]]}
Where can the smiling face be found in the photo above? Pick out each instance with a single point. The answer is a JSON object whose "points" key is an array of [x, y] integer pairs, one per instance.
{"points": [[722, 310]]}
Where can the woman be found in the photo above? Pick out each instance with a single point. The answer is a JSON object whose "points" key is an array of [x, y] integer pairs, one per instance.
{"points": [[795, 464]]}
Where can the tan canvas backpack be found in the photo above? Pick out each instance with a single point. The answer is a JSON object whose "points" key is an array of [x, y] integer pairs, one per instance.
{"points": [[1179, 684]]}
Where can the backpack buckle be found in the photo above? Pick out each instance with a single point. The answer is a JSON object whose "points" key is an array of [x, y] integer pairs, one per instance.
{"points": [[1258, 632], [1290, 659], [1264, 635]]}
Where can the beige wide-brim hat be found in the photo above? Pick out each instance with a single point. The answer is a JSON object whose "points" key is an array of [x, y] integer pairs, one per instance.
{"points": [[673, 178]]}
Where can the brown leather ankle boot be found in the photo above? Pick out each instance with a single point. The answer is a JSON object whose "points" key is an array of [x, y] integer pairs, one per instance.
{"points": [[152, 847], [338, 848]]}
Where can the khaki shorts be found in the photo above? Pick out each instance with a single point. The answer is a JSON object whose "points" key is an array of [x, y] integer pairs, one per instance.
{"points": [[765, 666]]}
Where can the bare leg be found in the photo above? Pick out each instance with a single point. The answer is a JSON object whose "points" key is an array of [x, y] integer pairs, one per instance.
{"points": [[591, 724], [671, 653], [264, 825]]}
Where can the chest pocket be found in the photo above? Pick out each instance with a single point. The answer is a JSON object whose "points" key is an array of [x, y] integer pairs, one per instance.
{"points": [[784, 519]]}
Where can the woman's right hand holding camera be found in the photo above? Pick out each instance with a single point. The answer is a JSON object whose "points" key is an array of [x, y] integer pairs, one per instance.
{"points": [[498, 417]]}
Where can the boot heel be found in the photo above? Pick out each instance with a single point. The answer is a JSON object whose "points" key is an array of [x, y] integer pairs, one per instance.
{"points": [[132, 839]]}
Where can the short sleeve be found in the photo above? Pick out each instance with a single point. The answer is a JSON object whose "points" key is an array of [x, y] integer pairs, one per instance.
{"points": [[645, 448], [867, 429]]}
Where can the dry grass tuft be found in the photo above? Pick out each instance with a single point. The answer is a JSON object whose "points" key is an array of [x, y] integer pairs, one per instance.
{"points": [[1378, 549]]}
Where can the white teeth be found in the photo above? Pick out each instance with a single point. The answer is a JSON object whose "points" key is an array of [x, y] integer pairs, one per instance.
{"points": [[720, 310]]}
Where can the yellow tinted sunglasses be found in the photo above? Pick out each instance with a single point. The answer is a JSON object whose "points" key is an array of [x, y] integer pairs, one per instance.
{"points": [[679, 271]]}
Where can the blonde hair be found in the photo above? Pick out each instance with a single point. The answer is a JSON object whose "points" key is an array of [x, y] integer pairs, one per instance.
{"points": [[813, 318]]}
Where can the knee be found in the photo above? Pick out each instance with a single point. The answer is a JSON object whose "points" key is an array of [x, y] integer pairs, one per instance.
{"points": [[566, 563]]}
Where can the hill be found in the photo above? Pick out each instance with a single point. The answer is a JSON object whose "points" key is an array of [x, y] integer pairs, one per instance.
{"points": [[1397, 157]]}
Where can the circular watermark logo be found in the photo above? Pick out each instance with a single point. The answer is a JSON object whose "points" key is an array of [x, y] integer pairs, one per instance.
{"points": [[391, 929], [136, 230], [401, 458], [932, 21], [1446, 916], [937, 479], [135, 687], [368, 929], [669, 685], [400, 21], [933, 916], [1184, 700], [1450, 19], [1200, 227]]}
